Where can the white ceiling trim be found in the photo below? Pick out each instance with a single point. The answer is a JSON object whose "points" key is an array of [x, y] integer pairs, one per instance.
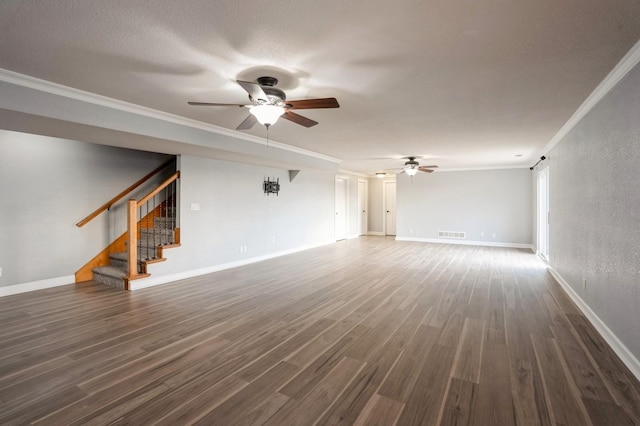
{"points": [[472, 169], [626, 64], [351, 172], [23, 80]]}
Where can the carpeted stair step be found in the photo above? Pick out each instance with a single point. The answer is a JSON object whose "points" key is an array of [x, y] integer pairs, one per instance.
{"points": [[156, 236], [110, 275], [119, 260], [164, 222]]}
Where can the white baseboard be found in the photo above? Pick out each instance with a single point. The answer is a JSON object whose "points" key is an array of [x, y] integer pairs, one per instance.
{"points": [[618, 347], [352, 236], [376, 233], [466, 242], [166, 279], [36, 285]]}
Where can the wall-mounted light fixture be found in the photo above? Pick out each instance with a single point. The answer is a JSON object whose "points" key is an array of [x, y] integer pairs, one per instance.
{"points": [[271, 186]]}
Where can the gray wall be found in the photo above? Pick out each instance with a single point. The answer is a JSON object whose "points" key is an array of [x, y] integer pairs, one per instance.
{"points": [[595, 209], [235, 212], [475, 202], [48, 185]]}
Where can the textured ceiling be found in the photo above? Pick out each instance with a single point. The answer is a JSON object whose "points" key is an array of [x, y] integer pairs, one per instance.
{"points": [[466, 84]]}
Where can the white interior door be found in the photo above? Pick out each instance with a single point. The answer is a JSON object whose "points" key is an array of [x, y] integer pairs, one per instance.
{"points": [[362, 207], [390, 208], [341, 209], [543, 213]]}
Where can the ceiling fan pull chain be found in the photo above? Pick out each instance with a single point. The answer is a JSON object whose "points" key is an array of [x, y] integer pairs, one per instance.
{"points": [[267, 126]]}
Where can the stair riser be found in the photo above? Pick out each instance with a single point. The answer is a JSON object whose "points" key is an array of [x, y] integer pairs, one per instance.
{"points": [[110, 281], [122, 264]]}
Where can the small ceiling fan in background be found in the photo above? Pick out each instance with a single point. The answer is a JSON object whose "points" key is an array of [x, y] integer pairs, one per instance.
{"points": [[411, 167], [268, 103]]}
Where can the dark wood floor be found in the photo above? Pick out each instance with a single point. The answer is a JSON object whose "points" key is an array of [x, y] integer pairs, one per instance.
{"points": [[368, 331]]}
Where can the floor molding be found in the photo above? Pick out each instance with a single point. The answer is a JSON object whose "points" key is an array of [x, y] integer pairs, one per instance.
{"points": [[466, 242], [166, 279], [375, 233], [36, 285], [616, 344]]}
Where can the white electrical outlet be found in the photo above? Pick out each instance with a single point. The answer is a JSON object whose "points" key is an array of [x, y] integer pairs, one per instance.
{"points": [[195, 207], [482, 234], [493, 235], [0, 271], [584, 283]]}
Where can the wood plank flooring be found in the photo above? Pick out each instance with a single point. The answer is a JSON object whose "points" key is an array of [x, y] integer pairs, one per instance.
{"points": [[368, 332]]}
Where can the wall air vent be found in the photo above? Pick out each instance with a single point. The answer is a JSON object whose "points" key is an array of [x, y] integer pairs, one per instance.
{"points": [[449, 234]]}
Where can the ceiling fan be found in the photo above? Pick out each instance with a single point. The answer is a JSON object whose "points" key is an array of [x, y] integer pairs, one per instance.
{"points": [[268, 103], [411, 167]]}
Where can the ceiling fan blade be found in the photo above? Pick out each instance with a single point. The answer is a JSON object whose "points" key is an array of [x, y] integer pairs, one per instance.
{"points": [[313, 103], [430, 167], [254, 90], [215, 104], [247, 123], [424, 169], [298, 119]]}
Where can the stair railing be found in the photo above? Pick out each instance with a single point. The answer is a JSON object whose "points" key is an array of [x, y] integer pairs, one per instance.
{"points": [[111, 202], [156, 208]]}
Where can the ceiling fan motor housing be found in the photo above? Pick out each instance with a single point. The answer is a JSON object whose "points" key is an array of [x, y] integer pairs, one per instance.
{"points": [[274, 95]]}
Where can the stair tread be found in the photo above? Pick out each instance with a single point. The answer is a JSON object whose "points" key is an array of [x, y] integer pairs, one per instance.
{"points": [[110, 271], [119, 256]]}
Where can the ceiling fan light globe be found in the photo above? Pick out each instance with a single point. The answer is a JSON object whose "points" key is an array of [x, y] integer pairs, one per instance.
{"points": [[266, 114], [411, 171]]}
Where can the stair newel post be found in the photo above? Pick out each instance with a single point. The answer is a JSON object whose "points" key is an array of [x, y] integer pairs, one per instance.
{"points": [[132, 238]]}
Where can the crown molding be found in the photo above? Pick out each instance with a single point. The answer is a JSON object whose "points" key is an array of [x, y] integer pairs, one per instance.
{"points": [[350, 172], [34, 83], [474, 169], [626, 64]]}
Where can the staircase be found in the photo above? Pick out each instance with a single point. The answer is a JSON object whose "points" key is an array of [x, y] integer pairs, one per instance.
{"points": [[151, 228], [150, 245]]}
